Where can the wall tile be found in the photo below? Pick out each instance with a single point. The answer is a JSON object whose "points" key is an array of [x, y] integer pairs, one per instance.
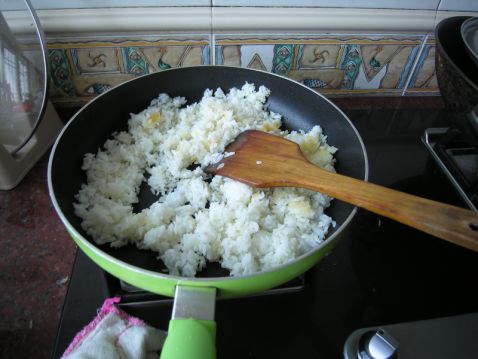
{"points": [[337, 65], [96, 60], [88, 4], [60, 72], [340, 64], [83, 68], [458, 5], [423, 80], [379, 4]]}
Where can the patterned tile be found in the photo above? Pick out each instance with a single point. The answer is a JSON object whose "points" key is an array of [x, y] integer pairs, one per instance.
{"points": [[339, 64], [135, 61], [60, 73], [423, 79], [83, 68], [95, 60]]}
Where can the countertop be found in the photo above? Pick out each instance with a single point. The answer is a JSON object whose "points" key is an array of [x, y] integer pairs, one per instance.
{"points": [[37, 254], [36, 257]]}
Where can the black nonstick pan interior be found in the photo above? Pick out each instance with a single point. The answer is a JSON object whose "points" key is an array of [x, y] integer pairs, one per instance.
{"points": [[300, 107]]}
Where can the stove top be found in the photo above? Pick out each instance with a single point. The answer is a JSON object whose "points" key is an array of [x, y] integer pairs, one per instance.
{"points": [[458, 159], [384, 273]]}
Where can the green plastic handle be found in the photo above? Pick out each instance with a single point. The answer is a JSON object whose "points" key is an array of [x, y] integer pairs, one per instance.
{"points": [[190, 339]]}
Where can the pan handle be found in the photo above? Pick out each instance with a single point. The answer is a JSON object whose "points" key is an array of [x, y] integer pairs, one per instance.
{"points": [[192, 329]]}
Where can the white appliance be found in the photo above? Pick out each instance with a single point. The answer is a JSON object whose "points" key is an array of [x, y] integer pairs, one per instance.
{"points": [[28, 121]]}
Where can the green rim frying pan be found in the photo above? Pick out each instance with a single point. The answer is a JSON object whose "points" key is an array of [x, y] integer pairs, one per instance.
{"points": [[192, 329]]}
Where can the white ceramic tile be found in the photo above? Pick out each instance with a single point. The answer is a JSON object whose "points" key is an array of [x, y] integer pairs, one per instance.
{"points": [[275, 19], [458, 5], [85, 4], [377, 4], [142, 20]]}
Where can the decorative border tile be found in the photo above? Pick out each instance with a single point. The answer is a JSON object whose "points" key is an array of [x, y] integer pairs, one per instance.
{"points": [[82, 68], [331, 64], [423, 80], [60, 73], [335, 65]]}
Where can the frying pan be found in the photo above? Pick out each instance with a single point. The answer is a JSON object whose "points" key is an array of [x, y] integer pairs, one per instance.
{"points": [[469, 33], [192, 329], [457, 77]]}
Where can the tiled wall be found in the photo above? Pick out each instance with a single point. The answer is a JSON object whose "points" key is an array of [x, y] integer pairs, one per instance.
{"points": [[336, 65], [341, 51], [423, 79], [83, 68]]}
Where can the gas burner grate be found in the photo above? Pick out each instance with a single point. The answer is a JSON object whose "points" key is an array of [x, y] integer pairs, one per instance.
{"points": [[131, 294], [458, 160]]}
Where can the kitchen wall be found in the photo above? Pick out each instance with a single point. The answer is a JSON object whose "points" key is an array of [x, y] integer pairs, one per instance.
{"points": [[339, 48]]}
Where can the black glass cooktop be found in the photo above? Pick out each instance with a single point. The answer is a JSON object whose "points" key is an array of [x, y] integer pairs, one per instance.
{"points": [[383, 273]]}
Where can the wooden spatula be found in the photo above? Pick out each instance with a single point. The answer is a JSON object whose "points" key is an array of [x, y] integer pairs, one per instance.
{"points": [[264, 160]]}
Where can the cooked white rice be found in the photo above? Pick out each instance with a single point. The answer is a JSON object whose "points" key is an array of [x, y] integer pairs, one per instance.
{"points": [[194, 221]]}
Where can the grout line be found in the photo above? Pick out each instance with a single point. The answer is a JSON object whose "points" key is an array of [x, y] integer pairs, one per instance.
{"points": [[436, 14], [414, 66], [212, 37], [213, 49]]}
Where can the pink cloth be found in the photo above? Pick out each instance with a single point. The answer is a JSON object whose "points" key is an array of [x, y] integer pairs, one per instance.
{"points": [[114, 333]]}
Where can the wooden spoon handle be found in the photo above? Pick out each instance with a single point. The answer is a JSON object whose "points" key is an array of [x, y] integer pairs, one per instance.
{"points": [[454, 224]]}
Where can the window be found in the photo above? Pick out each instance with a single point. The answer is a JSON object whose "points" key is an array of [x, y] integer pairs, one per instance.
{"points": [[10, 75], [24, 81]]}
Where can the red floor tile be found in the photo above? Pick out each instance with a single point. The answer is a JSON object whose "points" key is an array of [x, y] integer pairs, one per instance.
{"points": [[36, 257]]}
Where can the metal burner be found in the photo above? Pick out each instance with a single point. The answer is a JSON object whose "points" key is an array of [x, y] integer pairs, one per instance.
{"points": [[458, 160], [131, 294]]}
